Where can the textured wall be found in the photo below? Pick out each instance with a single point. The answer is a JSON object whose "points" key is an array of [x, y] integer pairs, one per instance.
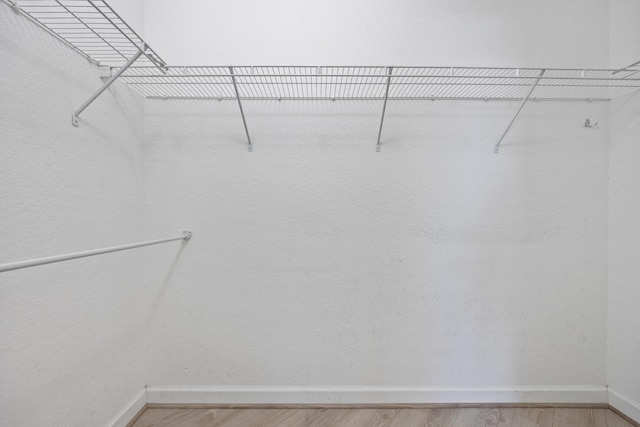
{"points": [[624, 246], [72, 334], [318, 261], [624, 210]]}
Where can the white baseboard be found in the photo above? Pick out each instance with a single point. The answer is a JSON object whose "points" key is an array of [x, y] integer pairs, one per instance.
{"points": [[375, 395], [624, 404], [127, 413]]}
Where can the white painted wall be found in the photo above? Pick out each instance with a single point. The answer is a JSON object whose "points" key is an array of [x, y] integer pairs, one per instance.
{"points": [[624, 243], [623, 337], [73, 334], [319, 262], [521, 33], [132, 12], [315, 261], [624, 33]]}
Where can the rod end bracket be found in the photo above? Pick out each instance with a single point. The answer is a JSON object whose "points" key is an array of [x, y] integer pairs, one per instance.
{"points": [[187, 235], [378, 148], [74, 120]]}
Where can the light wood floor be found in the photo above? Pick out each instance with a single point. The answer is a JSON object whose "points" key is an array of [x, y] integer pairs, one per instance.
{"points": [[369, 417]]}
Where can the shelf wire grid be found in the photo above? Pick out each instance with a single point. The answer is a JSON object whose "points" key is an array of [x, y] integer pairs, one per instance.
{"points": [[92, 28], [369, 83], [95, 30]]}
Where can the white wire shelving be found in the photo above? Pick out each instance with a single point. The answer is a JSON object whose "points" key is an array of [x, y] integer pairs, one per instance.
{"points": [[381, 84], [96, 31], [90, 27], [369, 83]]}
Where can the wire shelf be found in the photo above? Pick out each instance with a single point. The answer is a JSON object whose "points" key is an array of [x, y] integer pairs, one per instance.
{"points": [[91, 27], [369, 83], [95, 30]]}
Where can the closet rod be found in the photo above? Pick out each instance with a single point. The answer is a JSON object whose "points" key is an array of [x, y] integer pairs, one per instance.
{"points": [[186, 235]]}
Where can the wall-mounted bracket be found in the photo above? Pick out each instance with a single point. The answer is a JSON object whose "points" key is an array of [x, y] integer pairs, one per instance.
{"points": [[74, 117], [524, 101], [384, 106], [244, 121], [588, 124]]}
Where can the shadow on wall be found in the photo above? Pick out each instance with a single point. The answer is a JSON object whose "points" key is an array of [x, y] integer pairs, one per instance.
{"points": [[160, 285]]}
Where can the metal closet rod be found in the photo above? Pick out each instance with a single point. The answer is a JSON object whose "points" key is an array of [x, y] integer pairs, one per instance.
{"points": [[186, 235]]}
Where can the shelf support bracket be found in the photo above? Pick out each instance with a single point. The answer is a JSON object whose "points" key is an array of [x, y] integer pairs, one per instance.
{"points": [[626, 68], [74, 117], [14, 5], [244, 121], [384, 106], [524, 101]]}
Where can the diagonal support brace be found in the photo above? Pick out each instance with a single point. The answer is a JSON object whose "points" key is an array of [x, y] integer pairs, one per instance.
{"points": [[524, 101], [625, 68], [244, 121], [74, 117], [384, 106]]}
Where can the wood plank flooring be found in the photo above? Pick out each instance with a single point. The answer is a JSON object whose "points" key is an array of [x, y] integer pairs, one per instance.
{"points": [[371, 417]]}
